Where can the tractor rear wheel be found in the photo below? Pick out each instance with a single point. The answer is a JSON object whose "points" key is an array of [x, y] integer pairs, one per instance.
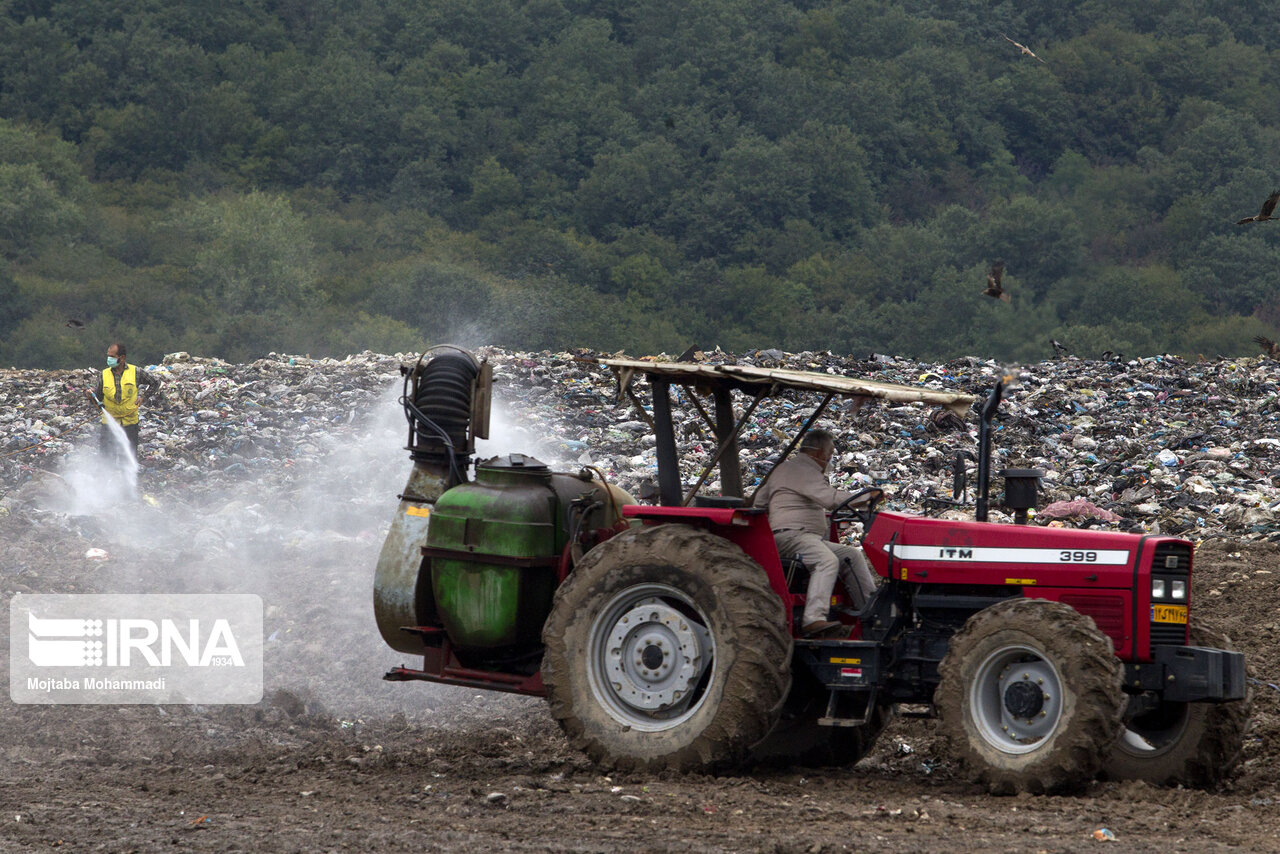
{"points": [[1030, 696], [666, 648], [1188, 744]]}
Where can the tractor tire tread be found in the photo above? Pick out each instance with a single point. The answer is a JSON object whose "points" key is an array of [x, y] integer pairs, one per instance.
{"points": [[752, 649], [1213, 744], [1074, 754]]}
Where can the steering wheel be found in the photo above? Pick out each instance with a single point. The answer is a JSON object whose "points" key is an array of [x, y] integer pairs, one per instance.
{"points": [[845, 513]]}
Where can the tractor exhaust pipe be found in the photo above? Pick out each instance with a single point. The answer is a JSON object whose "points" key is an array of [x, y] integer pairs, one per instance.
{"points": [[984, 450], [1020, 487], [1020, 484]]}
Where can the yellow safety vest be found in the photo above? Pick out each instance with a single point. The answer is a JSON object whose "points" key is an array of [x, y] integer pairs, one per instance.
{"points": [[124, 410]]}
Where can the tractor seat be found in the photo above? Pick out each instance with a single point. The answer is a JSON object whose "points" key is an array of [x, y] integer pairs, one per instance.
{"points": [[796, 573], [718, 501]]}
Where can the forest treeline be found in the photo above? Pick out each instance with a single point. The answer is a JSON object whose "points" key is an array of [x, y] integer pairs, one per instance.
{"points": [[326, 176]]}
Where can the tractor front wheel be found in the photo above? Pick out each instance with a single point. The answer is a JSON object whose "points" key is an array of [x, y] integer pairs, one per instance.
{"points": [[666, 649], [1030, 696], [1188, 744]]}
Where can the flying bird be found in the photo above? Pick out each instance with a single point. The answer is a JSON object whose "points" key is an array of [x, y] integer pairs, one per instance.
{"points": [[1268, 346], [1059, 349], [993, 282], [75, 324], [1026, 51], [1267, 207]]}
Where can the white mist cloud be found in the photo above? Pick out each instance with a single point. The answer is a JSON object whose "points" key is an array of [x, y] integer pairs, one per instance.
{"points": [[303, 531], [511, 432]]}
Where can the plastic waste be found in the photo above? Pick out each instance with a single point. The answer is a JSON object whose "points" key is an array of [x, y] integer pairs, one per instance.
{"points": [[1149, 441]]}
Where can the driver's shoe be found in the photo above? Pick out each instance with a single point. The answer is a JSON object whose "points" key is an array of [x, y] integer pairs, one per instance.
{"points": [[823, 628]]}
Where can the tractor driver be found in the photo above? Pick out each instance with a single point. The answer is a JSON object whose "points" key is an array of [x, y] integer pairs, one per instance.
{"points": [[797, 497]]}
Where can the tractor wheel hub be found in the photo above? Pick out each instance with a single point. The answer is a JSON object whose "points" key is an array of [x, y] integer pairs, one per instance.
{"points": [[655, 656], [1023, 699]]}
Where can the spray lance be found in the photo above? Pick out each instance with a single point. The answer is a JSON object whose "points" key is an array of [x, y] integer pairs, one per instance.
{"points": [[95, 400]]}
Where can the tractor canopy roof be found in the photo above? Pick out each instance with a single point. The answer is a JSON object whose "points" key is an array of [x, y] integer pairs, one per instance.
{"points": [[718, 382], [752, 380]]}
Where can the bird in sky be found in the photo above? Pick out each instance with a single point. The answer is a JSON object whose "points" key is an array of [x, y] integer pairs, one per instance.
{"points": [[1026, 51], [1267, 207], [1268, 346], [993, 282]]}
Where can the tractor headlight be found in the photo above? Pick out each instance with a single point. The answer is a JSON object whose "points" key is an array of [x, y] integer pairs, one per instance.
{"points": [[1157, 588], [1178, 590]]}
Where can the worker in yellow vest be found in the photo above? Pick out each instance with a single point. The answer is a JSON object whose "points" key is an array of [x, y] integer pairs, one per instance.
{"points": [[118, 390]]}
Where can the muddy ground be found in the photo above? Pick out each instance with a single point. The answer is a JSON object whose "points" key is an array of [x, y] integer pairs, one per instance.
{"points": [[334, 759]]}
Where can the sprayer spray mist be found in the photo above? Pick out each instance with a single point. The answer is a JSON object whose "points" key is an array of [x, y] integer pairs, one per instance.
{"points": [[300, 526], [126, 463], [94, 479]]}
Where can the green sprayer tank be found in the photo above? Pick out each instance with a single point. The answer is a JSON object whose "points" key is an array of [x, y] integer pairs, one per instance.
{"points": [[478, 560], [494, 546], [488, 565]]}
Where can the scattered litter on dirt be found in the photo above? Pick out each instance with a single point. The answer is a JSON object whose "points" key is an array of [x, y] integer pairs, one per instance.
{"points": [[279, 478]]}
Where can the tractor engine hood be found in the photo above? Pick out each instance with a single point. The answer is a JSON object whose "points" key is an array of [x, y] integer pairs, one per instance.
{"points": [[940, 551]]}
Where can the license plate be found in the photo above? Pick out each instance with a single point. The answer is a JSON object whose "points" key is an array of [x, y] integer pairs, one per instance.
{"points": [[1168, 613]]}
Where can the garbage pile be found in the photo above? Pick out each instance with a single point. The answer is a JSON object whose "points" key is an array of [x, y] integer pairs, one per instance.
{"points": [[210, 419], [1155, 444]]}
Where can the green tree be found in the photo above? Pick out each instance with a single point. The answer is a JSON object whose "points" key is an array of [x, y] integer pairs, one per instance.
{"points": [[1233, 273], [438, 300], [840, 199], [629, 188], [254, 256], [493, 188], [1154, 297], [42, 191], [1040, 241], [14, 304]]}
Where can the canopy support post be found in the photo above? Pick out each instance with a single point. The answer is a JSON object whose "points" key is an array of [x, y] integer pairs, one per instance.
{"points": [[668, 461], [730, 466]]}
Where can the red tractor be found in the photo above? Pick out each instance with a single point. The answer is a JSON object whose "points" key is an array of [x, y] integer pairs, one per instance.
{"points": [[665, 636]]}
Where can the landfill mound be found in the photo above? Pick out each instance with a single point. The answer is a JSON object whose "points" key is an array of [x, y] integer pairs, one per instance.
{"points": [[280, 477], [1165, 445]]}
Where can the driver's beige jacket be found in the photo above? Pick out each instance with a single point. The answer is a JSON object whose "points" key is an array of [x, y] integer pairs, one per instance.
{"points": [[798, 496]]}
